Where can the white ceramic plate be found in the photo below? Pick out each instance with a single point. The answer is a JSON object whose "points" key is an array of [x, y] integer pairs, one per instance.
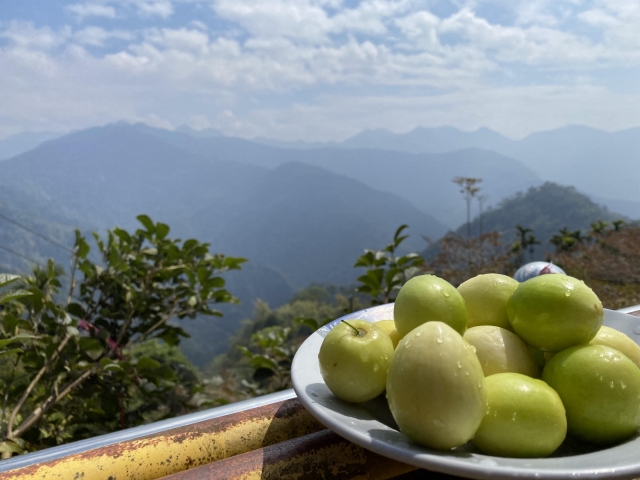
{"points": [[371, 425]]}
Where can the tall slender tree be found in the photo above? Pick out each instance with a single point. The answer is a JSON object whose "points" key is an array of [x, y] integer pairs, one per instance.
{"points": [[469, 190]]}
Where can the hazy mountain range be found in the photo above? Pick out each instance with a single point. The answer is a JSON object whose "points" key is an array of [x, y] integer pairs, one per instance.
{"points": [[598, 163], [299, 215]]}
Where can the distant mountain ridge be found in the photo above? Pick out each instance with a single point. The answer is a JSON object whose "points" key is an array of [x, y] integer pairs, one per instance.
{"points": [[23, 142], [600, 163], [424, 180]]}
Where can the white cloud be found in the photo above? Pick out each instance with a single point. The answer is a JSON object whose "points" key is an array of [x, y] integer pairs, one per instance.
{"points": [[98, 37], [463, 69], [513, 111], [198, 122], [91, 10], [619, 22], [26, 35], [179, 39], [300, 19], [160, 8], [199, 25]]}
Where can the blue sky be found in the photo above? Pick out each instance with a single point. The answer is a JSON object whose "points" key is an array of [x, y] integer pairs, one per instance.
{"points": [[319, 69]]}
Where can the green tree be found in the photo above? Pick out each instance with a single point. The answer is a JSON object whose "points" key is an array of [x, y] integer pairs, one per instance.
{"points": [[525, 241], [566, 240], [76, 367]]}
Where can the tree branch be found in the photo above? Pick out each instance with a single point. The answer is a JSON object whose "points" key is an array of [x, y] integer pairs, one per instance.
{"points": [[51, 401], [33, 383], [73, 278]]}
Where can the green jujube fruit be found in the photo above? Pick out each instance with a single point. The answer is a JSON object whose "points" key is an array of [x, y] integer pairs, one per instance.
{"points": [[354, 358], [554, 312], [501, 351], [610, 337], [486, 297], [427, 298], [435, 387], [600, 389], [525, 418]]}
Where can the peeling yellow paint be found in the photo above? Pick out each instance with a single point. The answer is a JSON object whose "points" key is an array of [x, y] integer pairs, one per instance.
{"points": [[179, 449]]}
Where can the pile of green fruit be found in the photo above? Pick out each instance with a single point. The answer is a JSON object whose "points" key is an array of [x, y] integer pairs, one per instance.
{"points": [[512, 367]]}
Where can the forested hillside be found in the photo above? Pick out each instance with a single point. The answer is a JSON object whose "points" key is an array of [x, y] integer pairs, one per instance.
{"points": [[545, 210]]}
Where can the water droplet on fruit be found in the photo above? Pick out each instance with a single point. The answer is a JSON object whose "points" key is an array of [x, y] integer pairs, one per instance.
{"points": [[418, 333], [600, 377], [479, 386], [446, 294], [376, 367], [544, 283], [459, 365], [466, 373], [567, 293], [473, 349], [513, 417], [637, 330], [440, 340], [407, 345], [611, 385], [438, 423], [623, 385]]}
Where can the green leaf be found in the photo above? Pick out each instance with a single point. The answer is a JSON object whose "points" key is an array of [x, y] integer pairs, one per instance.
{"points": [[13, 295], [9, 446], [245, 351], [189, 244], [162, 230], [82, 247], [147, 223], [7, 278], [215, 282], [307, 322], [262, 361], [92, 347], [147, 363], [409, 257], [76, 310], [11, 351], [9, 324], [18, 338], [396, 235]]}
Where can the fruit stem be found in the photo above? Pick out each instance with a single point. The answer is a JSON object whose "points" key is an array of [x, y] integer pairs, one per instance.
{"points": [[354, 328]]}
